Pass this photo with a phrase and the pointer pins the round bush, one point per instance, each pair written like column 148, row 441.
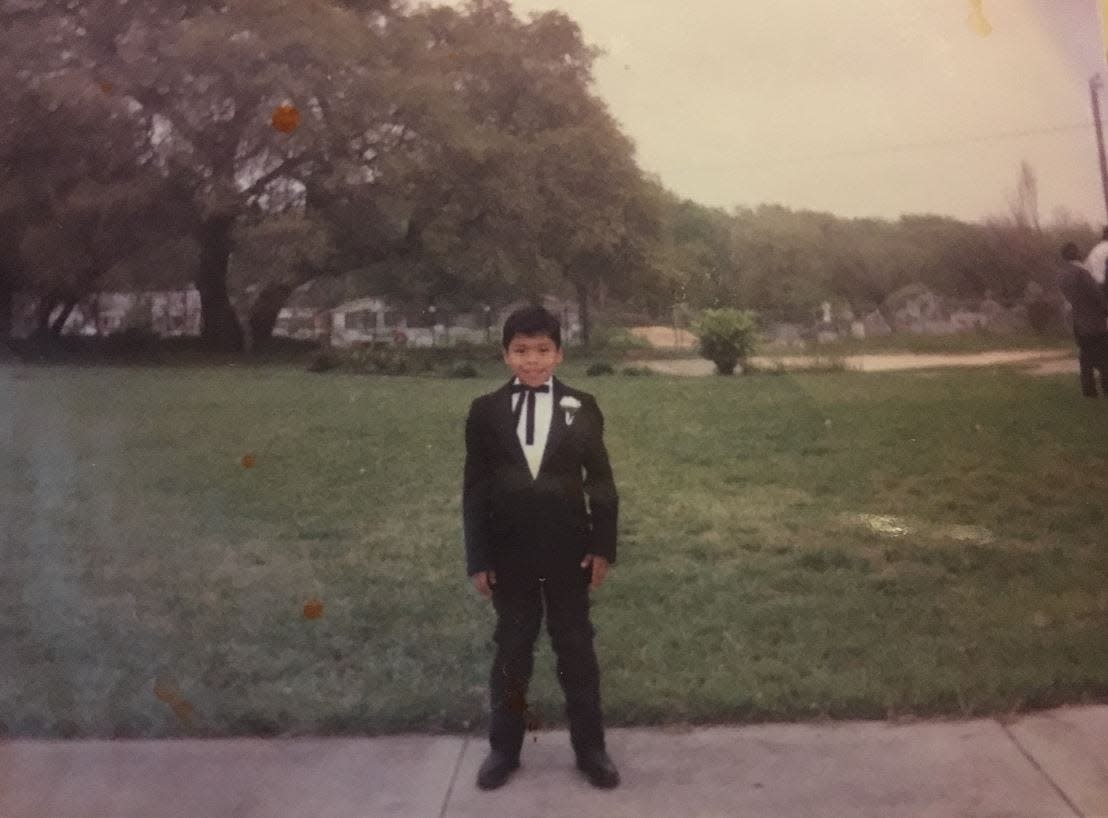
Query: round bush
column 377, row 359
column 727, row 336
column 462, row 370
column 600, row 368
column 323, row 362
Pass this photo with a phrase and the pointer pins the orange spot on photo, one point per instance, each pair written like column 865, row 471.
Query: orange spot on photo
column 313, row 609
column 248, row 460
column 182, row 710
column 285, row 118
column 165, row 691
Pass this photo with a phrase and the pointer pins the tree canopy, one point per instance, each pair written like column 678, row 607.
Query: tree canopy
column 439, row 140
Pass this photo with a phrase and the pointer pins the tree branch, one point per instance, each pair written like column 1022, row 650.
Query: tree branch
column 286, row 166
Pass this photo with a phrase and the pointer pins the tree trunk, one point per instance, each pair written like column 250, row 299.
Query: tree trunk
column 7, row 303
column 219, row 326
column 58, row 324
column 94, row 310
column 582, row 287
column 45, row 306
column 263, row 317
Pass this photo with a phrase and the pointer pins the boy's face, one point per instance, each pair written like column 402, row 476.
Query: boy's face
column 532, row 358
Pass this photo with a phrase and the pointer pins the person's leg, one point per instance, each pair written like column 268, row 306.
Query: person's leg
column 1086, row 359
column 571, row 635
column 518, row 603
column 1102, row 357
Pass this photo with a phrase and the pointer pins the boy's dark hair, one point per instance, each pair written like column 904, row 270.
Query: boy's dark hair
column 1070, row 252
column 533, row 320
column 1104, row 234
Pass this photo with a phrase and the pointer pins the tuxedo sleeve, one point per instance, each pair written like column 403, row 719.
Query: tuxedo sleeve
column 476, row 488
column 600, row 487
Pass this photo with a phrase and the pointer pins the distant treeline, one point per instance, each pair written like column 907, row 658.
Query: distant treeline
column 787, row 262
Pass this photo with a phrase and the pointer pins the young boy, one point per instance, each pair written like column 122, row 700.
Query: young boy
column 534, row 450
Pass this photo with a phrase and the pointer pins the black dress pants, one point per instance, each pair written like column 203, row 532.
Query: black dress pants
column 519, row 597
column 1092, row 354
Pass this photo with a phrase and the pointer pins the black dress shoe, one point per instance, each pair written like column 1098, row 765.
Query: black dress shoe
column 495, row 770
column 598, row 768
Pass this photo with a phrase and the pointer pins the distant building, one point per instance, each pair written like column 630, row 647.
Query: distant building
column 173, row 313
column 168, row 313
column 375, row 319
column 303, row 323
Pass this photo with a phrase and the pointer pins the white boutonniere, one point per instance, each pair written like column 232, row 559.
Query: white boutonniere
column 569, row 406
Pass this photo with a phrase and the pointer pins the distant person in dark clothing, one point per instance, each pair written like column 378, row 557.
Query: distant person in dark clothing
column 1090, row 319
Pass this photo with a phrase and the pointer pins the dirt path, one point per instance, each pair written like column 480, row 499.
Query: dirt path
column 1049, row 362
column 1061, row 366
column 665, row 337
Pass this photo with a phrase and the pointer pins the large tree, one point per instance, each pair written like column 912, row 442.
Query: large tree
column 599, row 216
column 73, row 201
column 74, row 196
column 242, row 102
column 460, row 153
column 204, row 81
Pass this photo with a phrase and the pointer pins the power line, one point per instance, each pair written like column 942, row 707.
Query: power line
column 904, row 147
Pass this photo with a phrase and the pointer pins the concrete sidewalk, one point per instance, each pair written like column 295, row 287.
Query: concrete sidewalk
column 1040, row 766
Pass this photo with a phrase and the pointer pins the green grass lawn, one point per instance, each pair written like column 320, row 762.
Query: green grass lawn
column 824, row 545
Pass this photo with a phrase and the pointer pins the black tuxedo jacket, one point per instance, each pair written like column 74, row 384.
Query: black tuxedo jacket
column 512, row 519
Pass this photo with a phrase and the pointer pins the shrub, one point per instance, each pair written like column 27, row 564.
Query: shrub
column 600, row 368
column 424, row 359
column 462, row 370
column 469, row 350
column 378, row 359
column 1044, row 316
column 727, row 337
column 323, row 362
column 135, row 337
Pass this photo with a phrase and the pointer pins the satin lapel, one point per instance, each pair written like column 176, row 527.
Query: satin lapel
column 506, row 425
column 558, row 428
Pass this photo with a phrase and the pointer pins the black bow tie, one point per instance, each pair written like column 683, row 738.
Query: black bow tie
column 530, row 397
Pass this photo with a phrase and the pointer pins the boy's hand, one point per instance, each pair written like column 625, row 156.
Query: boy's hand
column 599, row 569
column 483, row 582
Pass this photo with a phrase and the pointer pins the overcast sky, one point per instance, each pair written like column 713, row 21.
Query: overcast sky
column 858, row 107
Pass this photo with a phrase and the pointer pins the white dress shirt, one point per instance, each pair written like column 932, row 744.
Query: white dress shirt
column 1096, row 260
column 544, row 413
